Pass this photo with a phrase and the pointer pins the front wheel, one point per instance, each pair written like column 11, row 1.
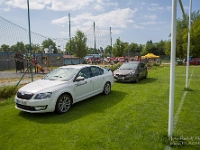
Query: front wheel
column 63, row 103
column 137, row 79
column 146, row 75
column 107, row 88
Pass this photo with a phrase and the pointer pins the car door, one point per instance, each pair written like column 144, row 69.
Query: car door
column 142, row 70
column 84, row 88
column 98, row 79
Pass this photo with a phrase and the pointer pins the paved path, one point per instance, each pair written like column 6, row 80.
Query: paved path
column 17, row 77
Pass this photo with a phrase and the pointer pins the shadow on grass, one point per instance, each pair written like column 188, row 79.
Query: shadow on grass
column 96, row 104
column 141, row 81
column 147, row 80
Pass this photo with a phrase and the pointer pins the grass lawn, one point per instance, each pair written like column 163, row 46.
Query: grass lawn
column 132, row 117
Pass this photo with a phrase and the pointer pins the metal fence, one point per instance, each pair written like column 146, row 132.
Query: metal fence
column 13, row 69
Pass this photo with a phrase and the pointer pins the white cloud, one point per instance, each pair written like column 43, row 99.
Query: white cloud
column 56, row 5
column 116, row 32
column 155, row 7
column 62, row 5
column 98, row 7
column 1, row 1
column 169, row 8
column 17, row 3
column 129, row 2
column 36, row 4
column 6, row 9
column 150, row 17
column 153, row 23
column 60, row 21
column 186, row 7
column 119, row 18
column 138, row 27
column 64, row 33
column 149, row 23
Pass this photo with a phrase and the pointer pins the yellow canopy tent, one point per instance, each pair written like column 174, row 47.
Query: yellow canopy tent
column 150, row 55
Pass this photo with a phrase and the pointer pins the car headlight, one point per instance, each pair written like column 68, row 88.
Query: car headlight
column 43, row 95
column 132, row 73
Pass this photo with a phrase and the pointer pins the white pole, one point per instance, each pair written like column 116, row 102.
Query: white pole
column 172, row 68
column 188, row 46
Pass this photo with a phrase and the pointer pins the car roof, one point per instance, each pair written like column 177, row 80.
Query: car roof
column 133, row 62
column 78, row 66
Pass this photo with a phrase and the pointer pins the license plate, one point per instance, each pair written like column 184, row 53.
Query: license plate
column 21, row 102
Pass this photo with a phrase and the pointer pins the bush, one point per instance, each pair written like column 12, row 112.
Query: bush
column 156, row 64
column 149, row 65
column 114, row 67
column 8, row 91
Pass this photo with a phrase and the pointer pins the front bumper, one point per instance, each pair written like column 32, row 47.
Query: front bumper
column 35, row 106
column 125, row 78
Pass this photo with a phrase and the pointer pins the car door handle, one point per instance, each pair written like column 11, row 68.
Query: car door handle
column 82, row 83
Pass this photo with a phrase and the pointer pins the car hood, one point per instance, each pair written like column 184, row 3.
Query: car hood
column 40, row 85
column 123, row 72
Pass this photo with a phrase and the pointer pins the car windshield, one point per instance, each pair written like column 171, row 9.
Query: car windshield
column 129, row 66
column 62, row 74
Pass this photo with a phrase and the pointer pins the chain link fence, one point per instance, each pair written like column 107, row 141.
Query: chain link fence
column 15, row 70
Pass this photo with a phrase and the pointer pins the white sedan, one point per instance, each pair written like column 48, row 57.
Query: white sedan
column 64, row 86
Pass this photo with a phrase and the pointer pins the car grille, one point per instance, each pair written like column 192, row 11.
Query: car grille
column 120, row 75
column 24, row 96
column 25, row 107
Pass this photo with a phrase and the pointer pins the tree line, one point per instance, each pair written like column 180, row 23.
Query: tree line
column 25, row 48
column 77, row 45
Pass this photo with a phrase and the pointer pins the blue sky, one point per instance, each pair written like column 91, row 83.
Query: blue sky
column 132, row 20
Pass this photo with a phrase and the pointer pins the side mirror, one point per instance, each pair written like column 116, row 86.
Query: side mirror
column 80, row 78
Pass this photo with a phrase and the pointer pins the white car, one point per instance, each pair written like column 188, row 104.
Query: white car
column 64, row 86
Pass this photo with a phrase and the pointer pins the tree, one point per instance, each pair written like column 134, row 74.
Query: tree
column 160, row 47
column 49, row 44
column 181, row 26
column 182, row 35
column 14, row 48
column 19, row 47
column 119, row 48
column 36, row 48
column 67, row 48
column 168, row 47
column 78, row 44
column 90, row 50
column 195, row 39
column 151, row 47
column 5, row 48
column 134, row 49
column 107, row 51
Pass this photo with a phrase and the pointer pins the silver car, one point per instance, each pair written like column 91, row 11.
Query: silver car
column 131, row 72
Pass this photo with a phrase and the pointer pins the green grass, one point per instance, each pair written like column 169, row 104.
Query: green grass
column 133, row 116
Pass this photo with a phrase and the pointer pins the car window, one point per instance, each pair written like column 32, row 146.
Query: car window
column 141, row 65
column 129, row 66
column 61, row 74
column 96, row 71
column 85, row 72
